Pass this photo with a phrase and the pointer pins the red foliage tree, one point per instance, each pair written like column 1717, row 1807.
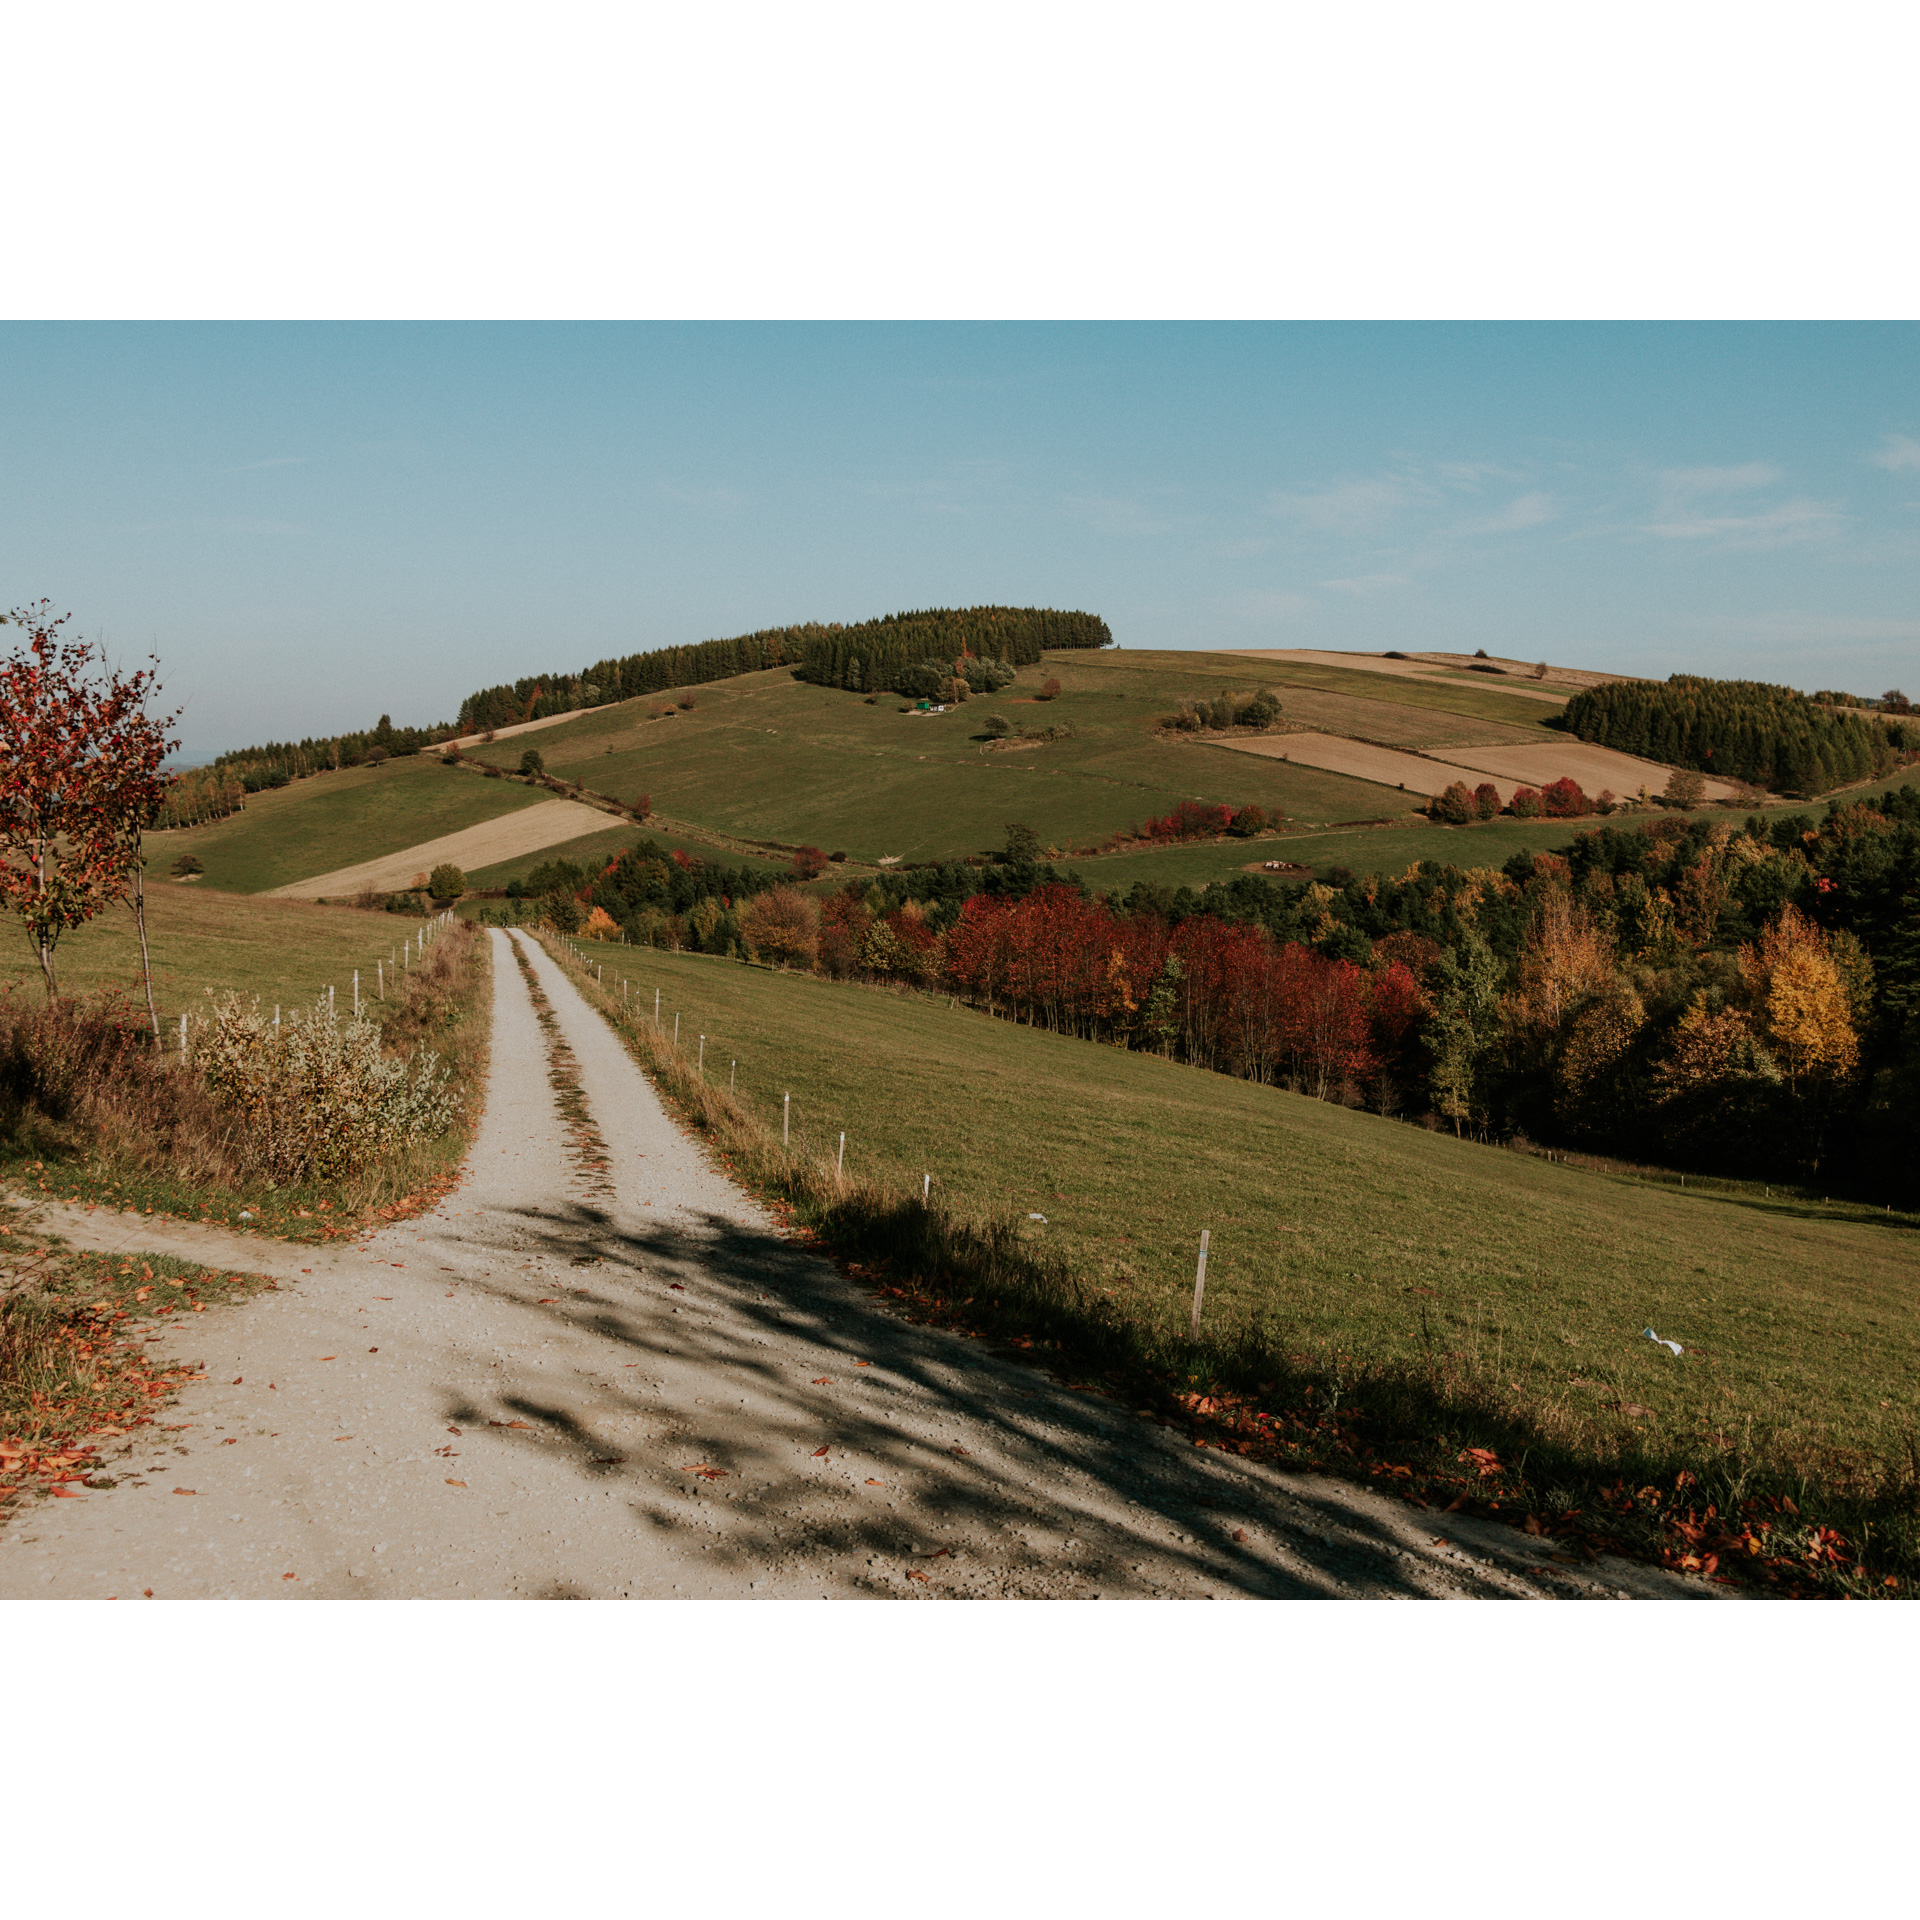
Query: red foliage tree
column 1563, row 799
column 809, row 863
column 80, row 780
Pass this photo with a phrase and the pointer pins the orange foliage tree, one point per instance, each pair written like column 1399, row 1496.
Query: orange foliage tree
column 1799, row 1000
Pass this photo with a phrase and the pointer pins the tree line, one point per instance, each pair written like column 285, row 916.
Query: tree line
column 1742, row 730
column 275, row 762
column 876, row 652
column 1735, row 999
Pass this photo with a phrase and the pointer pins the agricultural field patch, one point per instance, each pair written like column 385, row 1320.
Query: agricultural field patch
column 334, row 820
column 530, row 830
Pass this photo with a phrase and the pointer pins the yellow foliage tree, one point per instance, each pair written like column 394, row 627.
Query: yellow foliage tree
column 601, row 925
column 1599, row 1040
column 1711, row 1045
column 1799, row 1000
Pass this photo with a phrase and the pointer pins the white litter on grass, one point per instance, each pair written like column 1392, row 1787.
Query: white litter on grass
column 1658, row 1342
column 1041, row 1217
column 244, row 1214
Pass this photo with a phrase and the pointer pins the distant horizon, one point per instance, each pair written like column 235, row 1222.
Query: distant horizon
column 314, row 524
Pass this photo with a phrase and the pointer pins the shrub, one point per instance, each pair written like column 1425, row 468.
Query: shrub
column 376, row 756
column 685, row 702
column 447, row 881
column 1526, row 803
column 809, row 863
column 188, row 863
column 1563, row 799
column 642, row 807
column 1261, row 711
column 998, row 726
column 1486, row 799
column 1049, row 689
column 531, row 763
column 491, row 773
column 781, row 927
column 1540, row 672
column 1249, row 821
column 1455, row 806
column 1480, row 653
column 319, row 1097
column 1685, row 789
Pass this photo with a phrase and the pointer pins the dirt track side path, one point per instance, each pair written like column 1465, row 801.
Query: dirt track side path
column 546, row 1388
column 531, row 830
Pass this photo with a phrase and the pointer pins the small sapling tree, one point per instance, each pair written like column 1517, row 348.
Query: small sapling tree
column 447, row 882
column 531, row 764
column 79, row 782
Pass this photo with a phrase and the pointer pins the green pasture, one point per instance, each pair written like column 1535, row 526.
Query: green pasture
column 765, row 757
column 333, row 820
column 1343, row 1233
column 288, row 951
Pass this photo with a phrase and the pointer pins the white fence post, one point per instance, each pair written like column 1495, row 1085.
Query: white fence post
column 1200, row 1279
column 786, row 1112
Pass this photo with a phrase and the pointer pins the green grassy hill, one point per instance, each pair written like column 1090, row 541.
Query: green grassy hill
column 765, row 757
column 333, row 820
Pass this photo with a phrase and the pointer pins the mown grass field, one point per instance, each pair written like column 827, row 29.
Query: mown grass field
column 1343, row 1234
column 281, row 950
column 334, row 820
column 764, row 757
column 596, row 849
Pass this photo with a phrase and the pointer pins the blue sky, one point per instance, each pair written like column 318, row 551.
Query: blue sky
column 315, row 524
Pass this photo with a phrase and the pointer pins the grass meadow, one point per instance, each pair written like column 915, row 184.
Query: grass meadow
column 1344, row 1238
column 334, row 820
column 280, row 950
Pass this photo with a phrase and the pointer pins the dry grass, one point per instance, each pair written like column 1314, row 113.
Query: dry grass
column 87, row 1112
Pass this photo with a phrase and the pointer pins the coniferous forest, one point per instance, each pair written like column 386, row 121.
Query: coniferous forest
column 1742, row 730
column 867, row 656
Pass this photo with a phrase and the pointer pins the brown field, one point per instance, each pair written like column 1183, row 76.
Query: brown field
column 530, row 831
column 1597, row 769
column 530, row 726
column 1421, row 777
column 1443, row 667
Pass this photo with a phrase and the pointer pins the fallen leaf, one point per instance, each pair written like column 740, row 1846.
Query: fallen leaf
column 329, row 1356
column 706, row 1472
column 863, row 1363
column 1239, row 1533
column 876, row 1483
column 237, row 1383
column 186, row 1489
column 609, row 1459
column 289, row 1576
column 229, row 1443
column 939, row 1553
column 503, row 1423
column 456, row 1483
column 819, row 1453
column 343, row 1436
column 74, row 1493
column 383, row 1296
column 455, row 1431
column 546, row 1303
column 674, row 1286
column 823, row 1383
column 914, row 1573
column 1438, row 1541
column 146, row 1593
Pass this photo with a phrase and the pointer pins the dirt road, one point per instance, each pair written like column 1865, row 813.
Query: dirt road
column 617, row 1379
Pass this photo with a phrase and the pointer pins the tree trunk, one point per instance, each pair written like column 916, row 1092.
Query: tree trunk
column 146, row 959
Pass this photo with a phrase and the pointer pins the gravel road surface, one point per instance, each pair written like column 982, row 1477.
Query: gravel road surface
column 582, row 1381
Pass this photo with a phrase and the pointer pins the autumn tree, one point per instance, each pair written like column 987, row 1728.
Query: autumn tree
column 79, row 783
column 1800, row 1001
column 1464, row 1026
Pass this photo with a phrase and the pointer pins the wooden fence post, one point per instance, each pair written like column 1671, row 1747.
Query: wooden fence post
column 1200, row 1280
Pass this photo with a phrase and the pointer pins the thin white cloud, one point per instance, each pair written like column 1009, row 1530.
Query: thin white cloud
column 1528, row 510
column 1689, row 483
column 1900, row 454
column 1362, row 584
column 1784, row 525
column 1348, row 506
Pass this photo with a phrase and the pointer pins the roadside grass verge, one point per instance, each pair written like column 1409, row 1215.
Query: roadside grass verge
column 151, row 1140
column 73, row 1366
column 1382, row 1301
column 333, row 820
